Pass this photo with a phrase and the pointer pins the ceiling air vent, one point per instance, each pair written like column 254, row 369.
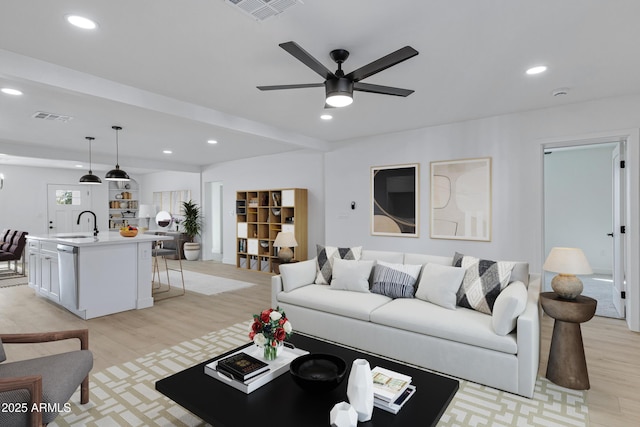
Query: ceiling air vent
column 262, row 9
column 51, row 117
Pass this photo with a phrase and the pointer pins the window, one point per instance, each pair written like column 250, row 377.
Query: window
column 68, row 197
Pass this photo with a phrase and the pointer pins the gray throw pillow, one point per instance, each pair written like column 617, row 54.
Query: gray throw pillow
column 395, row 280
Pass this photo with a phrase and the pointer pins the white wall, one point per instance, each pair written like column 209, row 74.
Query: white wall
column 578, row 197
column 515, row 144
column 299, row 169
column 23, row 200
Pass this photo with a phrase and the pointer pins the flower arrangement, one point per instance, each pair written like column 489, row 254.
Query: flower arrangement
column 269, row 329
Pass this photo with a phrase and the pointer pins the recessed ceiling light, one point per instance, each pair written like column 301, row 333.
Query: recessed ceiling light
column 326, row 117
column 167, row 151
column 537, row 69
column 81, row 22
column 10, row 91
column 212, row 141
column 78, row 166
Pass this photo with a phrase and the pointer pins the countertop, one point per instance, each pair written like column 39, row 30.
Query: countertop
column 103, row 238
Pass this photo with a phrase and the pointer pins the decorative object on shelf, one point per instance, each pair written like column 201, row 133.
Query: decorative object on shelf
column 129, row 231
column 567, row 262
column 192, row 226
column 90, row 178
column 117, row 174
column 343, row 415
column 146, row 212
column 394, row 201
column 461, row 199
column 269, row 329
column 318, row 372
column 360, row 389
column 285, row 241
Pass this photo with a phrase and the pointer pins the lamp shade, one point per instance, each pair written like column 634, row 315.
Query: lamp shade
column 567, row 261
column 117, row 174
column 147, row 211
column 285, row 239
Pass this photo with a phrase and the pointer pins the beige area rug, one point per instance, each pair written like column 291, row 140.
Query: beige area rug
column 13, row 281
column 203, row 283
column 125, row 395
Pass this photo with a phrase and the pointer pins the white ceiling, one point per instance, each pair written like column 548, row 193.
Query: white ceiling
column 176, row 73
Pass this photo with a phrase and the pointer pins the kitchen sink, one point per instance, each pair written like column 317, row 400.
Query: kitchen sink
column 79, row 236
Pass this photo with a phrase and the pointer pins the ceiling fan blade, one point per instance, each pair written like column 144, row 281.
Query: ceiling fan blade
column 305, row 57
column 384, row 90
column 382, row 64
column 300, row 86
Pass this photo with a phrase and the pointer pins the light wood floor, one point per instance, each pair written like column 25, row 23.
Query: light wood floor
column 613, row 352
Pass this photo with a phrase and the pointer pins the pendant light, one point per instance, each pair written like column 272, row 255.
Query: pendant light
column 90, row 178
column 117, row 174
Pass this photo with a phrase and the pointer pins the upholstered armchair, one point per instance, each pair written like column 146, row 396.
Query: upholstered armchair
column 46, row 382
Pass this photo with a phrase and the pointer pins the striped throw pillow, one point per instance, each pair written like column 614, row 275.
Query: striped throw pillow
column 395, row 280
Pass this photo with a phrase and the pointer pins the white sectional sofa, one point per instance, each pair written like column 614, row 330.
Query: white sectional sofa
column 460, row 342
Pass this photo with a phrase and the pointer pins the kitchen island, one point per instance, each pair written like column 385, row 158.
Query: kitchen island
column 93, row 276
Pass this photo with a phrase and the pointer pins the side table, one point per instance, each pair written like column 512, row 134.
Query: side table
column 567, row 365
column 275, row 265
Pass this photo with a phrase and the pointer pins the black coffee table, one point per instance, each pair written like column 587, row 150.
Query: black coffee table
column 281, row 402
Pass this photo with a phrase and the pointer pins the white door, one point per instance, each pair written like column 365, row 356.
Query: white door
column 617, row 235
column 65, row 202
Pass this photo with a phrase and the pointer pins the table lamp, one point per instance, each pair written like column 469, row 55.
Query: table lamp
column 146, row 211
column 285, row 241
column 567, row 262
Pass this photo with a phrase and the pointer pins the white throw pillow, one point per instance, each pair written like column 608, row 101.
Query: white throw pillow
column 439, row 284
column 508, row 306
column 297, row 274
column 349, row 275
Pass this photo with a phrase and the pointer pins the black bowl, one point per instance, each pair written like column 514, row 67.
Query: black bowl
column 318, row 372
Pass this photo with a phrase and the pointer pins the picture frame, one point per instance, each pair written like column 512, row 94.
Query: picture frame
column 461, row 199
column 395, row 204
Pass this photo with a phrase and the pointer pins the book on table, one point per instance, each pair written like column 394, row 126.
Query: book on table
column 242, row 366
column 395, row 406
column 388, row 385
column 275, row 367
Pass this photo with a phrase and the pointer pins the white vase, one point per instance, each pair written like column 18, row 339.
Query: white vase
column 360, row 389
column 191, row 251
column 343, row 415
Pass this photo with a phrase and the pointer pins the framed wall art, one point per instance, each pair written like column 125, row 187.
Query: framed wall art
column 461, row 199
column 394, row 200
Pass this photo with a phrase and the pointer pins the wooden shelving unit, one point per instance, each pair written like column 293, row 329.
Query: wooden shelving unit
column 260, row 216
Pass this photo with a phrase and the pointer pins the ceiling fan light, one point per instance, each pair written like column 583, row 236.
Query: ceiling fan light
column 339, row 100
column 339, row 92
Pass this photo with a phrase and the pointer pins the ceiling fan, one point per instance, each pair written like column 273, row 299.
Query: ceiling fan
column 338, row 86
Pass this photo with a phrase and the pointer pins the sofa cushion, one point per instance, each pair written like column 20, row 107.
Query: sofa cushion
column 351, row 275
column 509, row 305
column 439, row 284
column 357, row 305
column 520, row 270
column 326, row 255
column 395, row 280
column 482, row 283
column 386, row 256
column 297, row 274
column 461, row 325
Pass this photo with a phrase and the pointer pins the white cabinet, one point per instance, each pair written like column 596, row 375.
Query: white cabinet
column 43, row 269
column 123, row 204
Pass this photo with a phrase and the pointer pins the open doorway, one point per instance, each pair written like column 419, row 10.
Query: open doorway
column 583, row 209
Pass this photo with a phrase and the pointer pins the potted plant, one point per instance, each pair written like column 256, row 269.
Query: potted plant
column 192, row 226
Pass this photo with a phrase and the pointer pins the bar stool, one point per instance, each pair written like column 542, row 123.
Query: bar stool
column 160, row 251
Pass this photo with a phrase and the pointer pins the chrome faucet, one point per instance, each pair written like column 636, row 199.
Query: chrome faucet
column 95, row 222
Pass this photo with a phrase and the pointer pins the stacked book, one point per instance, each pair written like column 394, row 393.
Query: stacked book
column 391, row 389
column 246, row 370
